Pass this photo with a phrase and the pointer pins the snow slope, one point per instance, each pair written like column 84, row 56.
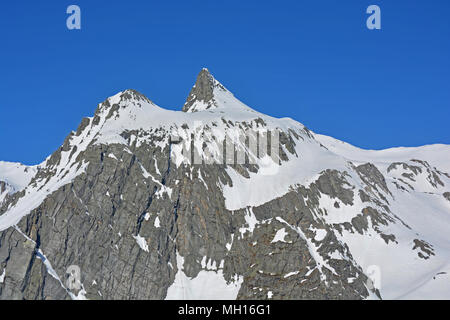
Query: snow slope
column 16, row 175
column 208, row 285
column 421, row 206
column 438, row 155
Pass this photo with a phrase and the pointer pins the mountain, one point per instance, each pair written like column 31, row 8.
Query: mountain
column 219, row 201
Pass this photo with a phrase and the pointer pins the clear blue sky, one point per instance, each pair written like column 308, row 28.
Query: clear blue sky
column 314, row 61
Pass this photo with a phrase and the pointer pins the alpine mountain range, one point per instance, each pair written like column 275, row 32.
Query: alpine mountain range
column 302, row 216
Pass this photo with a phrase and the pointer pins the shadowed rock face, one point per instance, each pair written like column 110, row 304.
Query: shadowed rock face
column 447, row 195
column 94, row 221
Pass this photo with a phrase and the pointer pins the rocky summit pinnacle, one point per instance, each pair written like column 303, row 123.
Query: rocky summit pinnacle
column 201, row 96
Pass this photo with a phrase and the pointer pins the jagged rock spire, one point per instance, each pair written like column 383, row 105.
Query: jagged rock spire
column 201, row 96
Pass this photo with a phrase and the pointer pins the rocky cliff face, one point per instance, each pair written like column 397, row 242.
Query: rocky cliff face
column 154, row 204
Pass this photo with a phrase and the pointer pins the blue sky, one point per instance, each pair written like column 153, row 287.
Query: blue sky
column 314, row 61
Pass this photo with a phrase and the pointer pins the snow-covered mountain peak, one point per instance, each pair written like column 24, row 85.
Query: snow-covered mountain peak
column 209, row 105
column 249, row 205
column 208, row 93
column 201, row 96
column 122, row 100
